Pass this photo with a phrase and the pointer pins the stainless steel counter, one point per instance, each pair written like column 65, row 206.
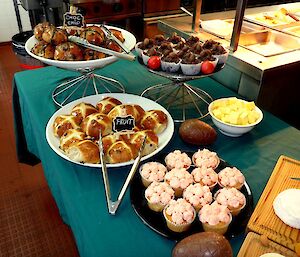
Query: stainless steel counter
column 272, row 81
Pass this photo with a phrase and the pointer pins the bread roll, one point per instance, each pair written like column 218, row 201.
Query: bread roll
column 108, row 140
column 73, row 31
column 85, row 151
column 94, row 35
column 118, row 35
column 113, row 46
column 70, row 137
column 120, row 151
column 107, row 104
column 68, row 51
column 151, row 143
column 64, row 122
column 44, row 50
column 95, row 122
column 39, row 30
column 89, row 54
column 155, row 120
column 83, row 110
column 55, row 36
column 127, row 109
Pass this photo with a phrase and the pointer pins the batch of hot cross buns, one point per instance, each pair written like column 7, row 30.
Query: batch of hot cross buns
column 79, row 131
column 53, row 42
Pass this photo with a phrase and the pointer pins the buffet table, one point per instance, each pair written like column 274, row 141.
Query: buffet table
column 79, row 191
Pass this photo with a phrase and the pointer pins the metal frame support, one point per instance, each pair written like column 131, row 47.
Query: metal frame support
column 196, row 15
column 238, row 22
column 16, row 5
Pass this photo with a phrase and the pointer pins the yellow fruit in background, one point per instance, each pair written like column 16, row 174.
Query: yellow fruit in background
column 250, row 106
column 235, row 111
column 218, row 114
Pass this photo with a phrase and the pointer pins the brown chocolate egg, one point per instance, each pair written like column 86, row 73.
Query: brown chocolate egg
column 208, row 244
column 197, row 132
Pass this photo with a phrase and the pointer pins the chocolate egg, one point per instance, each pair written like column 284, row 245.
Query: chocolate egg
column 208, row 244
column 197, row 132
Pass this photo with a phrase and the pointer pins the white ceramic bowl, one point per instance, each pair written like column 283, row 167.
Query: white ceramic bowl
column 230, row 129
column 130, row 42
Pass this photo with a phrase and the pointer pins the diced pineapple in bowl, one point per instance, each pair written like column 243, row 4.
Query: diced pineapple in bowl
column 234, row 117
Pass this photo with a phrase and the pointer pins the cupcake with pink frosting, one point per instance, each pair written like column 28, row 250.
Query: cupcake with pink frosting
column 177, row 159
column 205, row 176
column 152, row 171
column 215, row 218
column 179, row 215
column 231, row 177
column 179, row 179
column 206, row 158
column 158, row 195
column 197, row 195
column 232, row 198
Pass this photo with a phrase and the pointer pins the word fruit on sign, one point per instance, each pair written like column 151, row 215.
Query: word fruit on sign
column 126, row 123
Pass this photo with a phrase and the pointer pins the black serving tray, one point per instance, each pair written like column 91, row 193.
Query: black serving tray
column 156, row 221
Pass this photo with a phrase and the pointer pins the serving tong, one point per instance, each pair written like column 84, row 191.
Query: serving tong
column 113, row 205
column 83, row 42
column 111, row 36
column 298, row 179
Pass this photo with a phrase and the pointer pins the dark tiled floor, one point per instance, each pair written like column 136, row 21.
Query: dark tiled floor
column 30, row 224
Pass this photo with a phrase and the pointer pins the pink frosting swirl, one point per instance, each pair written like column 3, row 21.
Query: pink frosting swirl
column 181, row 211
column 177, row 159
column 153, row 171
column 197, row 194
column 231, row 177
column 214, row 213
column 179, row 178
column 159, row 192
column 230, row 197
column 206, row 158
column 205, row 176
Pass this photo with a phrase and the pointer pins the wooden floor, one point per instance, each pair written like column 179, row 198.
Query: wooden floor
column 30, row 224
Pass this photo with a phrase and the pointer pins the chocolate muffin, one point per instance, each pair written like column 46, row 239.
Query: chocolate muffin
column 147, row 44
column 192, row 40
column 175, row 39
column 171, row 57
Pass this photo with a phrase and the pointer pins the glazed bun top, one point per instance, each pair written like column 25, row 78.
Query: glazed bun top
column 94, row 35
column 68, row 51
column 39, row 30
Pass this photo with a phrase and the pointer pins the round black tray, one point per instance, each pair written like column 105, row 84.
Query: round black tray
column 156, row 221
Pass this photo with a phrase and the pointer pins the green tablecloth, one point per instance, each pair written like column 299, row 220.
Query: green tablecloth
column 79, row 191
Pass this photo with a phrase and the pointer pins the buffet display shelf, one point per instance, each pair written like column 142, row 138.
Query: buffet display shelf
column 250, row 74
column 243, row 57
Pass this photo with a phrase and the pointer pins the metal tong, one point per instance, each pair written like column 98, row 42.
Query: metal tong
column 113, row 205
column 83, row 42
column 298, row 179
column 111, row 36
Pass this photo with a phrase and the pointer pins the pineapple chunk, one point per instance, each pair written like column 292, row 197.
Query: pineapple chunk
column 233, row 118
column 250, row 106
column 235, row 111
column 218, row 114
column 243, row 118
